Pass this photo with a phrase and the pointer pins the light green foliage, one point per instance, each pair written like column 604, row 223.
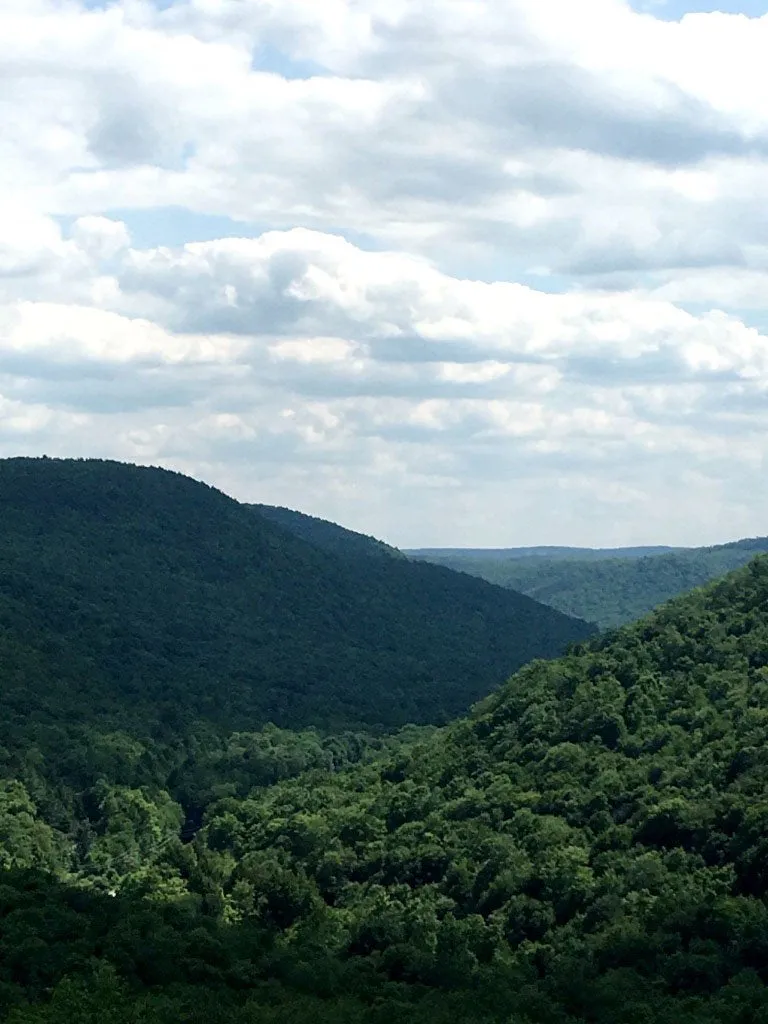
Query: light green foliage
column 25, row 840
column 133, row 828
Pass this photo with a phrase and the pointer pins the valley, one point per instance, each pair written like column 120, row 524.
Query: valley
column 609, row 587
column 255, row 767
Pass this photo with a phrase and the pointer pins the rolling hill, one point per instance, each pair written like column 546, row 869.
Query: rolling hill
column 142, row 599
column 597, row 586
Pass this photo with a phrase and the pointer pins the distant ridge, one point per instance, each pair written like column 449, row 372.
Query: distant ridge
column 545, row 551
column 599, row 585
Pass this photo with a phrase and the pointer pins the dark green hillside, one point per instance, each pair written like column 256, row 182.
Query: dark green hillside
column 328, row 536
column 589, row 847
column 144, row 600
column 609, row 591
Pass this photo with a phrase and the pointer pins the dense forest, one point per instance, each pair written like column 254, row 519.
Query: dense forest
column 605, row 587
column 143, row 599
column 328, row 536
column 587, row 846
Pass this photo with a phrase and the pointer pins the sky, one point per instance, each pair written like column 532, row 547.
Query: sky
column 449, row 272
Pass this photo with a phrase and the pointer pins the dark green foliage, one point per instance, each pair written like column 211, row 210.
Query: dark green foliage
column 139, row 598
column 591, row 842
column 592, row 585
column 589, row 847
column 328, row 536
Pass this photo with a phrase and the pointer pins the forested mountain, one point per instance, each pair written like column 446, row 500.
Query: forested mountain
column 605, row 590
column 143, row 599
column 328, row 536
column 588, row 847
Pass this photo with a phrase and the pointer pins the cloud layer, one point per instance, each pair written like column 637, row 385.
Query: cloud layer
column 494, row 277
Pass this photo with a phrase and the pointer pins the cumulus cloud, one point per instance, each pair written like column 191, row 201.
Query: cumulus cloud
column 500, row 279
column 378, row 371
column 437, row 125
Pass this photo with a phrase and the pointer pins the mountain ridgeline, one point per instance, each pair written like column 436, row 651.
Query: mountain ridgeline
column 328, row 536
column 609, row 588
column 547, row 551
column 590, row 845
column 140, row 598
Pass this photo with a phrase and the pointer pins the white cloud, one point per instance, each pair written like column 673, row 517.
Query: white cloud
column 377, row 352
column 100, row 237
column 297, row 353
column 305, row 281
column 74, row 333
column 443, row 124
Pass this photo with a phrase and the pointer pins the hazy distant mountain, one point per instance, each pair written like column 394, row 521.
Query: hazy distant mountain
column 452, row 555
column 597, row 585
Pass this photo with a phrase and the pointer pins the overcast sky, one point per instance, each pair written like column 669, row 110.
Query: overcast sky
column 450, row 272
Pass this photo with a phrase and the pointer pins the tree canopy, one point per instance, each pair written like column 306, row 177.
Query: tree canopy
column 140, row 597
column 587, row 846
column 326, row 535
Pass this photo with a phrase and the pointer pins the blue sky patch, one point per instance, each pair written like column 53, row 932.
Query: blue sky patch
column 674, row 10
column 174, row 225
column 268, row 58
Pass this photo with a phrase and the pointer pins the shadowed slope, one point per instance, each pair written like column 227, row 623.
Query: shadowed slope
column 151, row 599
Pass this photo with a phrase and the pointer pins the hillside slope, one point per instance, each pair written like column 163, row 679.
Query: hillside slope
column 142, row 598
column 326, row 535
column 588, row 847
column 606, row 591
